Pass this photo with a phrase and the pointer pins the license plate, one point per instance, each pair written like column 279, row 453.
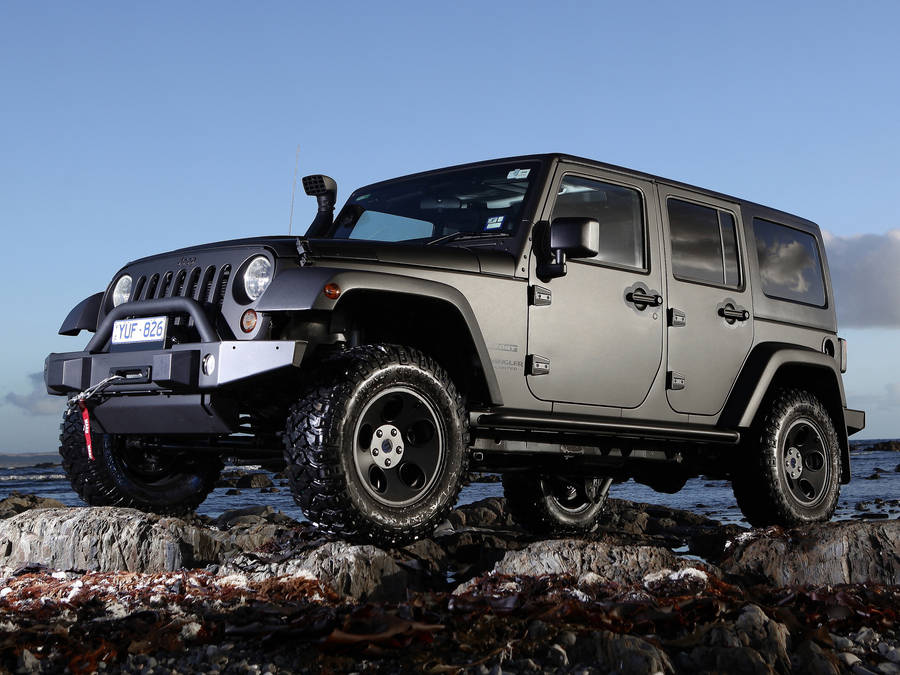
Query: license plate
column 136, row 331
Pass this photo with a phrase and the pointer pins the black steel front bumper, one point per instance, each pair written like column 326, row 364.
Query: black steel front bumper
column 173, row 390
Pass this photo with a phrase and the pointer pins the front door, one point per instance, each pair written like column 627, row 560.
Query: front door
column 594, row 335
column 710, row 321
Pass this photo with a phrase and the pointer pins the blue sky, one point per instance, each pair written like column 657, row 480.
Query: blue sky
column 129, row 129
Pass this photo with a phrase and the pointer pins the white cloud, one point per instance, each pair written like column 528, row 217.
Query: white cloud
column 865, row 273
column 37, row 401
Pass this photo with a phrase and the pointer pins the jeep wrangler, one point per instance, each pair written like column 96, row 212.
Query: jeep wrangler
column 565, row 322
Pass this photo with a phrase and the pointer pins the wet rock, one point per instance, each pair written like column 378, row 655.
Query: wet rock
column 105, row 539
column 17, row 503
column 809, row 659
column 666, row 583
column 753, row 643
column 254, row 480
column 829, row 553
column 360, row 572
column 610, row 562
column 625, row 654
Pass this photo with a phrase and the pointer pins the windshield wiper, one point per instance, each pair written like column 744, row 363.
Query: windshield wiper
column 456, row 236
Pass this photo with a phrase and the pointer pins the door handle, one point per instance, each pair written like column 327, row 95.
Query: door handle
column 641, row 298
column 733, row 314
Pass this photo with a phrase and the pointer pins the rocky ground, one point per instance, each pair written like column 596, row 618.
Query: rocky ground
column 656, row 590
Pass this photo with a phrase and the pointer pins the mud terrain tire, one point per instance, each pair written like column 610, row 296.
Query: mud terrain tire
column 118, row 476
column 535, row 503
column 343, row 435
column 792, row 476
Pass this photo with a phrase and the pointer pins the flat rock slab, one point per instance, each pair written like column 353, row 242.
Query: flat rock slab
column 598, row 560
column 360, row 572
column 104, row 539
column 831, row 553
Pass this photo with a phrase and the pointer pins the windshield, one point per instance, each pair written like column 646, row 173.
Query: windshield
column 479, row 201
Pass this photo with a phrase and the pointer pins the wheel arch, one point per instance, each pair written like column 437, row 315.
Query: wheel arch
column 361, row 290
column 436, row 323
column 774, row 365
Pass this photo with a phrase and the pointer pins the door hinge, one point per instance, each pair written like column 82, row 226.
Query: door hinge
column 537, row 365
column 540, row 296
column 677, row 318
column 676, row 381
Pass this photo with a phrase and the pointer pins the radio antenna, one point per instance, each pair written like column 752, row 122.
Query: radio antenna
column 294, row 190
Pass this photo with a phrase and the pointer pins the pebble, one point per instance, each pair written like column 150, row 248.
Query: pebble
column 557, row 656
column 537, row 630
column 848, row 659
column 860, row 669
column 841, row 643
column 567, row 638
column 865, row 636
column 888, row 668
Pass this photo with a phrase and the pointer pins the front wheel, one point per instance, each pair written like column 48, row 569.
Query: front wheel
column 793, row 476
column 551, row 504
column 376, row 445
column 122, row 473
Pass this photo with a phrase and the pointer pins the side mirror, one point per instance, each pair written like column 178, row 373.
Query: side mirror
column 570, row 238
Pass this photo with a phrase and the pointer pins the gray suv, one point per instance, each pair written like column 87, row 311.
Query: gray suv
column 565, row 322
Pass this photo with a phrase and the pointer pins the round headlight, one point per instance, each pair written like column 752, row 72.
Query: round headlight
column 257, row 277
column 122, row 290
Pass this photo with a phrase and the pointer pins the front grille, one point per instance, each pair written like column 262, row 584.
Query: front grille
column 205, row 285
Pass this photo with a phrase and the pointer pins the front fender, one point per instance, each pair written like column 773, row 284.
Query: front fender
column 83, row 316
column 301, row 289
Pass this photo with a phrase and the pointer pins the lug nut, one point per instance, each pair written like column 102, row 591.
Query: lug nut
column 399, row 450
column 374, row 452
column 393, row 432
column 387, row 462
column 379, row 433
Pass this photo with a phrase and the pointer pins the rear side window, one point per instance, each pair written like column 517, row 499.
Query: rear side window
column 789, row 263
column 704, row 244
column 618, row 209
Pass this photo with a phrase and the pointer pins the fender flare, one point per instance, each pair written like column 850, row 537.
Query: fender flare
column 761, row 369
column 301, row 289
column 83, row 316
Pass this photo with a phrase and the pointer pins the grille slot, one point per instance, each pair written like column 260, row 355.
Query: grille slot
column 221, row 285
column 164, row 285
column 206, row 285
column 138, row 287
column 151, row 287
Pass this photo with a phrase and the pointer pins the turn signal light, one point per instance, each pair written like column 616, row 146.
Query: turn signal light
column 248, row 321
column 332, row 291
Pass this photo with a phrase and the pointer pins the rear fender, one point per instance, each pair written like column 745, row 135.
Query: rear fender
column 773, row 365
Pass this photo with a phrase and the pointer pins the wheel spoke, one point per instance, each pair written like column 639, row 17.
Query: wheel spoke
column 399, row 446
column 807, row 472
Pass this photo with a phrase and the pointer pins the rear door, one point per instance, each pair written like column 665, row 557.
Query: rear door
column 590, row 340
column 710, row 320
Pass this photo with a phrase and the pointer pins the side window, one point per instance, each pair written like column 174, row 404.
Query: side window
column 789, row 263
column 704, row 244
column 618, row 209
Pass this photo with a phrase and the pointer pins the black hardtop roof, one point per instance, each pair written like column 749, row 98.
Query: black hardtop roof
column 575, row 159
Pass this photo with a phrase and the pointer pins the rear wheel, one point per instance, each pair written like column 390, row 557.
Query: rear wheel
column 550, row 504
column 124, row 474
column 793, row 476
column 377, row 444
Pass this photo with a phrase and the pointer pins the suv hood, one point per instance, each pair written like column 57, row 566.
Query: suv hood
column 472, row 259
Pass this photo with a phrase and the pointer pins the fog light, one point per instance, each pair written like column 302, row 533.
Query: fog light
column 332, row 291
column 248, row 321
column 209, row 364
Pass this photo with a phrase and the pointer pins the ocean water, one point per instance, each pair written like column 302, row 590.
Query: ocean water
column 712, row 498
